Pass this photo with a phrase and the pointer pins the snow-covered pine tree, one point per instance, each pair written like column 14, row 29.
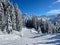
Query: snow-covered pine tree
column 13, row 17
column 19, row 19
column 10, row 17
column 9, row 21
column 34, row 21
column 57, row 27
column 41, row 24
column 1, row 16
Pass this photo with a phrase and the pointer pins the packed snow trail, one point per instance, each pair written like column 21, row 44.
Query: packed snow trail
column 30, row 37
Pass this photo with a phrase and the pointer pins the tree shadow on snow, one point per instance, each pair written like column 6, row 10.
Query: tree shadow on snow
column 55, row 37
column 37, row 36
column 57, row 42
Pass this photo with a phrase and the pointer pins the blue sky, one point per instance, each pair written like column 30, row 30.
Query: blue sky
column 39, row 7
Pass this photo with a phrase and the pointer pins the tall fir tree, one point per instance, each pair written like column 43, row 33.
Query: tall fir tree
column 19, row 20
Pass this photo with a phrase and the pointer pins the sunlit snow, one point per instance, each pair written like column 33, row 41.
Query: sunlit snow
column 29, row 38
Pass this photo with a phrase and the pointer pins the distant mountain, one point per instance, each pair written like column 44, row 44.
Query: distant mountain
column 44, row 17
column 55, row 19
column 58, row 18
column 51, row 18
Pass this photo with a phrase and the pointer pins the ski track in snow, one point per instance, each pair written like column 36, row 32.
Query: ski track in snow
column 30, row 38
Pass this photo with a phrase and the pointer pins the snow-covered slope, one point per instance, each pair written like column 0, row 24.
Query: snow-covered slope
column 30, row 37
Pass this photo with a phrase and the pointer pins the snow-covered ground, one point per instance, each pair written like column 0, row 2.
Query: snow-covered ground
column 29, row 37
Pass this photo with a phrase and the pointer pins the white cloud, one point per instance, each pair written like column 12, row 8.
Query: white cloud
column 53, row 12
column 58, row 1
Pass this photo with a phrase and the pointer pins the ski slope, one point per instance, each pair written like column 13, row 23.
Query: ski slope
column 29, row 37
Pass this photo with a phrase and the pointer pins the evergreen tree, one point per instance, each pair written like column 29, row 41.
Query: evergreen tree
column 9, row 21
column 1, row 16
column 19, row 20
